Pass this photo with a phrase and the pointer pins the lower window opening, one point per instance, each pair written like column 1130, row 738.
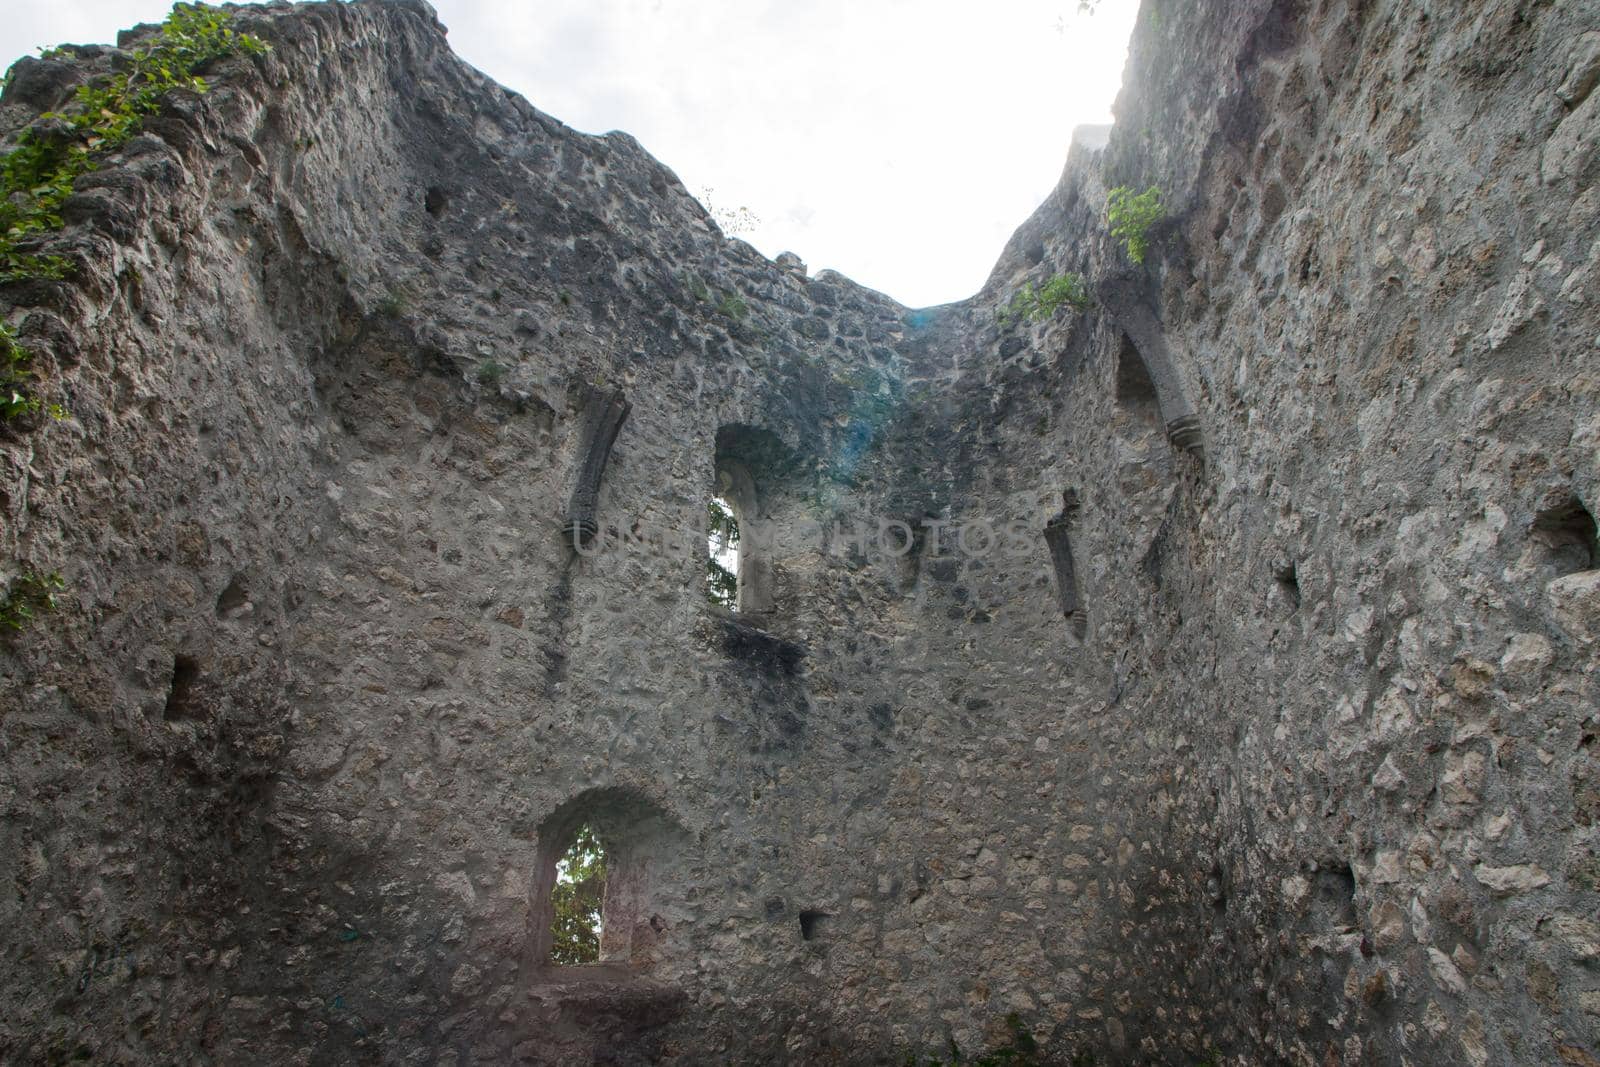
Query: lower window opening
column 607, row 887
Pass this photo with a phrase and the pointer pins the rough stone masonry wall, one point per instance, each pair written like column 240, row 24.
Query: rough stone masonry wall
column 1348, row 662
column 1307, row 775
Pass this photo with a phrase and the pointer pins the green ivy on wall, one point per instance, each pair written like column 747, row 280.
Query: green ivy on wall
column 37, row 176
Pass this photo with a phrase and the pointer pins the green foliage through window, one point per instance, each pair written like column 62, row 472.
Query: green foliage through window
column 1036, row 305
column 1131, row 215
column 30, row 595
column 722, row 558
column 578, row 896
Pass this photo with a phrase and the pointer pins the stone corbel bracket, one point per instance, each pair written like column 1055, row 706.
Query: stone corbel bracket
column 1124, row 298
column 604, row 412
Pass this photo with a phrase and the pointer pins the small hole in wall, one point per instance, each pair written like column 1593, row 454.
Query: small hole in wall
column 812, row 924
column 1335, row 891
column 435, row 200
column 1288, row 584
column 181, row 700
column 1568, row 532
column 234, row 597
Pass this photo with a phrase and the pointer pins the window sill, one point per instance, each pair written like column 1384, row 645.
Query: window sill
column 743, row 638
column 607, row 986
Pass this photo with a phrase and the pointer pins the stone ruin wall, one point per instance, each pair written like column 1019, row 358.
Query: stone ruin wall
column 1274, row 736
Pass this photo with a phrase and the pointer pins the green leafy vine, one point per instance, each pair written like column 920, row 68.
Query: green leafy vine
column 16, row 396
column 37, row 176
column 1131, row 215
column 1035, row 305
column 29, row 596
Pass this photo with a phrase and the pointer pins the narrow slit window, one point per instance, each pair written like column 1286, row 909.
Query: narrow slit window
column 579, row 901
column 741, row 498
column 722, row 554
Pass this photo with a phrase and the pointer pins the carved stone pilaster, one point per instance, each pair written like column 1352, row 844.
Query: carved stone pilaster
column 1127, row 300
column 1184, row 433
column 604, row 412
column 1058, row 538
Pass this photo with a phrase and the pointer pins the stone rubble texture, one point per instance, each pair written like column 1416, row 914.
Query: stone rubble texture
column 1311, row 776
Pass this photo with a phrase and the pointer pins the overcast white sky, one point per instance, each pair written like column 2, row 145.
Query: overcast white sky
column 896, row 141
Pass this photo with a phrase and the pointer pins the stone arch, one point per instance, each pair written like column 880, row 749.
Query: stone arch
column 1141, row 328
column 643, row 845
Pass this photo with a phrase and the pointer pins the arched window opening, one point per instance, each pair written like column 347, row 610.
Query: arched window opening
column 1145, row 461
column 755, row 479
column 751, row 568
column 608, row 882
column 722, row 553
column 578, row 901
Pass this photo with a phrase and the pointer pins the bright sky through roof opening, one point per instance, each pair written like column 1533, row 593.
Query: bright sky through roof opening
column 898, row 142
